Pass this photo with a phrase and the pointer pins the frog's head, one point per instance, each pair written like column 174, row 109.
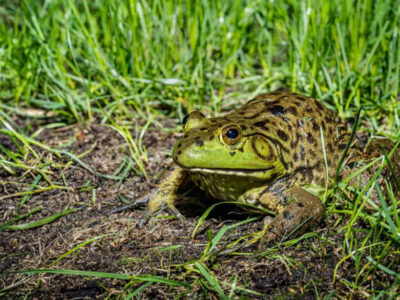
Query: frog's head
column 224, row 146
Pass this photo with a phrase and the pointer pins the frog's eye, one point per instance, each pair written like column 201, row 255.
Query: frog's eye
column 231, row 135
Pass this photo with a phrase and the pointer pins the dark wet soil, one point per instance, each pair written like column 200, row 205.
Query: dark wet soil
column 299, row 271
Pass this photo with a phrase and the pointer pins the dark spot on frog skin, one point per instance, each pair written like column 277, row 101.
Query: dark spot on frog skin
column 295, row 157
column 315, row 126
column 319, row 105
column 179, row 152
column 260, row 124
column 277, row 110
column 232, row 153
column 330, row 147
column 303, row 173
column 300, row 97
column 310, row 175
column 299, row 204
column 302, row 152
column 269, row 103
column 319, row 168
column 342, row 136
column 169, row 168
column 244, row 127
column 292, row 110
column 336, row 157
column 287, row 215
column 342, row 146
column 310, row 138
column 203, row 128
column 179, row 145
column 211, row 138
column 309, row 109
column 241, row 149
column 199, row 143
column 299, row 137
column 282, row 135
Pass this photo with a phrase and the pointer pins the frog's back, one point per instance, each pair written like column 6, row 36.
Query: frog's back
column 300, row 127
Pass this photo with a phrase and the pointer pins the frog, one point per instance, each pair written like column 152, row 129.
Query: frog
column 263, row 155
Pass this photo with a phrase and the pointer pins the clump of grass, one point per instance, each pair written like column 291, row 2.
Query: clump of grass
column 69, row 57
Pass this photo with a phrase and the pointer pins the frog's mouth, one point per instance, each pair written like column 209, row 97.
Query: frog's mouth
column 227, row 171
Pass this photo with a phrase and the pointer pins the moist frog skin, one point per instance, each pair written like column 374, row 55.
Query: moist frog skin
column 264, row 154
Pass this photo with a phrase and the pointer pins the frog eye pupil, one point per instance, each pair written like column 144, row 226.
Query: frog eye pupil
column 184, row 121
column 232, row 134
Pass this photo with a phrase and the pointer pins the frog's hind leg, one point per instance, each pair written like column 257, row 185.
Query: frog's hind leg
column 302, row 212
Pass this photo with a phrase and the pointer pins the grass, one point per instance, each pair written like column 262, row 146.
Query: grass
column 130, row 64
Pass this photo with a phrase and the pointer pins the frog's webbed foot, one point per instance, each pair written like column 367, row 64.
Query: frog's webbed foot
column 164, row 206
column 303, row 212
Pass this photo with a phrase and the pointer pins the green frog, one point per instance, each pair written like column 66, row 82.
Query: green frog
column 264, row 154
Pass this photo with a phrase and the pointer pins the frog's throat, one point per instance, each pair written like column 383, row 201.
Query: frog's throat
column 228, row 171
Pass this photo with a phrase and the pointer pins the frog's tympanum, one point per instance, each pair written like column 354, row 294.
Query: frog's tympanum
column 265, row 154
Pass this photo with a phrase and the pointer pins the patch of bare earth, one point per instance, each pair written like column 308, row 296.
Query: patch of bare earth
column 121, row 247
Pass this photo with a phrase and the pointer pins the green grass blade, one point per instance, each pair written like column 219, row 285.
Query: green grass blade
column 40, row 222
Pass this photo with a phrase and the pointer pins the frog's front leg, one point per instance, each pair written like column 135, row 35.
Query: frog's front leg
column 297, row 211
column 165, row 194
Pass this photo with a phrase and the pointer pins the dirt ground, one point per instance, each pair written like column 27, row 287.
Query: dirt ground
column 291, row 272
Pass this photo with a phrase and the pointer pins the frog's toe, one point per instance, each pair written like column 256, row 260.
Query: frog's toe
column 175, row 212
column 142, row 201
column 143, row 220
column 151, row 211
column 267, row 240
column 169, row 207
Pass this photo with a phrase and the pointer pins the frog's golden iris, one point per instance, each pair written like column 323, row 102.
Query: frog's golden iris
column 231, row 134
column 264, row 154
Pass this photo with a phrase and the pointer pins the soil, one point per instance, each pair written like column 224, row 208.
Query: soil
column 298, row 271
